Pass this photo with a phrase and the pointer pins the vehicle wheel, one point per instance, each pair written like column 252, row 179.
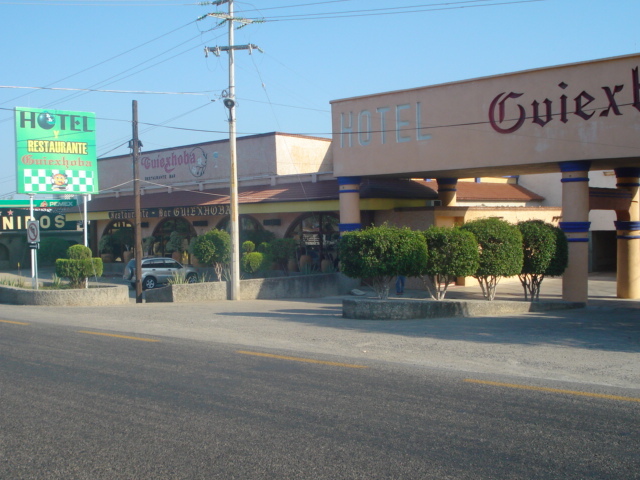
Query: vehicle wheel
column 149, row 283
column 192, row 278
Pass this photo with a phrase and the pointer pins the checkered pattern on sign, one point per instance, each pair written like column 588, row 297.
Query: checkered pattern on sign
column 37, row 180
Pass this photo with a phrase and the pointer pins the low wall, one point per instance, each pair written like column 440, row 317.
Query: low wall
column 188, row 293
column 374, row 309
column 298, row 286
column 94, row 296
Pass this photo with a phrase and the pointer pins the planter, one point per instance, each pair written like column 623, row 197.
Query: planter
column 326, row 266
column 107, row 257
column 177, row 256
column 304, row 261
column 292, row 266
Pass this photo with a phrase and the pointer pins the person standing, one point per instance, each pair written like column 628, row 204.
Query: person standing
column 400, row 284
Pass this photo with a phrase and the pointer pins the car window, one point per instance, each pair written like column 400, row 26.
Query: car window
column 153, row 264
column 172, row 264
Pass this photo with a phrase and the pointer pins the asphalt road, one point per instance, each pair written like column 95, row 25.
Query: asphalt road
column 80, row 400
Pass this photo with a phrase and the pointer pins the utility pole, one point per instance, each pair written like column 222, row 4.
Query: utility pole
column 135, row 155
column 230, row 104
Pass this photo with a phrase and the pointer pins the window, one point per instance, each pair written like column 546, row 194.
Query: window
column 250, row 229
column 317, row 235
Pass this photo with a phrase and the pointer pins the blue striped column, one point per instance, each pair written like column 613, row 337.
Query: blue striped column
column 349, row 194
column 575, row 223
column 447, row 191
column 628, row 235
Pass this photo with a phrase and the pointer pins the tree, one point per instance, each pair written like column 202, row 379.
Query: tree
column 500, row 249
column 378, row 254
column 546, row 253
column 79, row 266
column 451, row 252
column 213, row 248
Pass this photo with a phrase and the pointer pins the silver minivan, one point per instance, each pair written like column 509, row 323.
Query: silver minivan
column 158, row 270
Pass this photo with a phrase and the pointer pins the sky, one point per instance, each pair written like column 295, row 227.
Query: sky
column 100, row 55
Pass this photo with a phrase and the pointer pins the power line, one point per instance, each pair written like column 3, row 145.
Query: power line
column 105, row 61
column 143, row 92
column 387, row 11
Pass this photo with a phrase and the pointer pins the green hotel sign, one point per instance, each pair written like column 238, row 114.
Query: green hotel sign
column 56, row 151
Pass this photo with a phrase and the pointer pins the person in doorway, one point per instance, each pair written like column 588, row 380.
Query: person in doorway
column 400, row 284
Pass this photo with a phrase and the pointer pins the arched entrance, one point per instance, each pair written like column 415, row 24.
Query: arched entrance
column 317, row 236
column 118, row 240
column 170, row 235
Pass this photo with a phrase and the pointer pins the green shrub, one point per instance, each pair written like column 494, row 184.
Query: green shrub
column 378, row 254
column 176, row 243
column 78, row 270
column 252, row 262
column 257, row 236
column 213, row 248
column 51, row 249
column 78, row 252
column 248, row 246
column 451, row 252
column 280, row 251
column 546, row 253
column 500, row 248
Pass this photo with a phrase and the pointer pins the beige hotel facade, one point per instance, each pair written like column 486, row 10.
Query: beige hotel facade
column 438, row 155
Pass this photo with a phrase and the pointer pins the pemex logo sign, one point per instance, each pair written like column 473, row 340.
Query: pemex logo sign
column 56, row 152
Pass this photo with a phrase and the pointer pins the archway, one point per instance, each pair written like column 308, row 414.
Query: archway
column 117, row 239
column 162, row 243
column 317, row 235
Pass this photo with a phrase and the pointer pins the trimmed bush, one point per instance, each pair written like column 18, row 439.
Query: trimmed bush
column 378, row 254
column 78, row 252
column 248, row 246
column 213, row 248
column 79, row 266
column 500, row 248
column 546, row 253
column 451, row 252
column 252, row 262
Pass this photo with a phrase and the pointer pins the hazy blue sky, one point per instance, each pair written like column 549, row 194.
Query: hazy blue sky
column 314, row 52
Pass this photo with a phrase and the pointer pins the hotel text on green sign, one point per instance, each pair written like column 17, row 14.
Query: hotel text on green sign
column 56, row 151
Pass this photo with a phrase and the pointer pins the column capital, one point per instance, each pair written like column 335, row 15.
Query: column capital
column 627, row 172
column 627, row 226
column 349, row 227
column 575, row 166
column 349, row 180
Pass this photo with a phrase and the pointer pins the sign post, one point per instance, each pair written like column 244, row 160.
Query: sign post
column 33, row 238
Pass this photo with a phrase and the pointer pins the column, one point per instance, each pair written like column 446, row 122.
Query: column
column 447, row 191
column 628, row 235
column 349, row 194
column 575, row 224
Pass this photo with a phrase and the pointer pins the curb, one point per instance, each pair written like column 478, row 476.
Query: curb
column 375, row 309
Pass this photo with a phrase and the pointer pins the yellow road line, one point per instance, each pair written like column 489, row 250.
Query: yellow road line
column 118, row 336
column 553, row 390
column 14, row 323
column 298, row 359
